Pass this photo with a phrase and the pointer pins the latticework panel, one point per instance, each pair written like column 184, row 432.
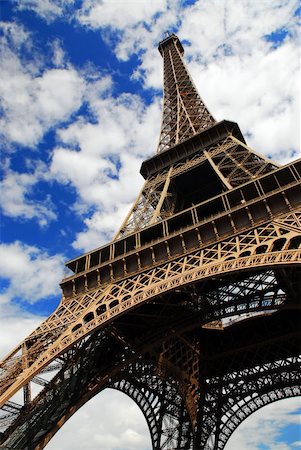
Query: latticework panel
column 233, row 162
column 191, row 310
column 263, row 366
column 184, row 112
column 266, row 246
column 163, row 408
column 238, row 372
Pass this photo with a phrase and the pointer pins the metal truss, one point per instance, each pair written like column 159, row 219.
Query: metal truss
column 81, row 378
column 255, row 248
column 184, row 112
column 252, row 404
column 246, row 381
column 233, row 162
column 239, row 376
column 163, row 408
column 191, row 310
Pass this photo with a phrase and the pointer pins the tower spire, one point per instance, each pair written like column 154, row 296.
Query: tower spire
column 184, row 112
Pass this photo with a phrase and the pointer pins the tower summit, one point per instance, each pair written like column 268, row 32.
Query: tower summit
column 221, row 158
column 184, row 112
column 192, row 310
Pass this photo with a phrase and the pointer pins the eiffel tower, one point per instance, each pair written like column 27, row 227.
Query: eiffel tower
column 192, row 310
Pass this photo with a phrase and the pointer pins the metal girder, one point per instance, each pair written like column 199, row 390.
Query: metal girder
column 233, row 161
column 184, row 112
column 192, row 308
column 256, row 248
column 163, row 408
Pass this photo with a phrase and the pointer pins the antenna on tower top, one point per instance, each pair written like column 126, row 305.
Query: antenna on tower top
column 166, row 34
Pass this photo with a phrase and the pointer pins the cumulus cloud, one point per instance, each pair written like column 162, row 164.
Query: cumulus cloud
column 101, row 159
column 132, row 27
column 119, row 14
column 99, row 430
column 265, row 428
column 235, row 28
column 18, row 197
column 14, row 328
column 29, row 273
column 48, row 10
column 32, row 105
column 59, row 58
column 33, row 98
column 116, row 424
column 100, row 227
column 15, row 35
column 245, row 76
column 265, row 106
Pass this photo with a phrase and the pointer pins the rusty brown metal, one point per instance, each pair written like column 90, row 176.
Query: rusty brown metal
column 211, row 247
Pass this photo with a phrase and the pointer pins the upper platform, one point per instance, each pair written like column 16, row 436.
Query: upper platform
column 188, row 147
column 172, row 39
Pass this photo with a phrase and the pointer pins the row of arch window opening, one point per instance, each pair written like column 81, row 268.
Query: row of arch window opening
column 277, row 245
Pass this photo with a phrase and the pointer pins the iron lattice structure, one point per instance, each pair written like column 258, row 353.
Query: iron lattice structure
column 192, row 310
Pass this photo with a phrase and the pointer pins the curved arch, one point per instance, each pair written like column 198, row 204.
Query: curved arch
column 294, row 242
column 250, row 371
column 166, row 416
column 146, row 404
column 110, row 418
column 143, row 376
column 252, row 405
column 174, row 277
column 144, row 371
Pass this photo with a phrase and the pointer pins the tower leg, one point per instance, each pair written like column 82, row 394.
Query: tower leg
column 163, row 408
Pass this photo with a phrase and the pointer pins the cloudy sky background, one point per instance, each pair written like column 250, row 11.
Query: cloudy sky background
column 81, row 90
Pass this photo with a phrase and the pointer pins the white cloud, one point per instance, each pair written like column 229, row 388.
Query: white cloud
column 265, row 106
column 15, row 35
column 33, row 98
column 17, row 195
column 32, row 105
column 31, row 273
column 119, row 14
column 14, row 328
column 241, row 76
column 110, row 421
column 59, row 56
column 100, row 227
column 265, row 427
column 47, row 9
column 104, row 168
column 238, row 27
column 135, row 31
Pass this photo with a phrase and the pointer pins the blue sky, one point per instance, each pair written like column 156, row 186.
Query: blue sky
column 80, row 89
